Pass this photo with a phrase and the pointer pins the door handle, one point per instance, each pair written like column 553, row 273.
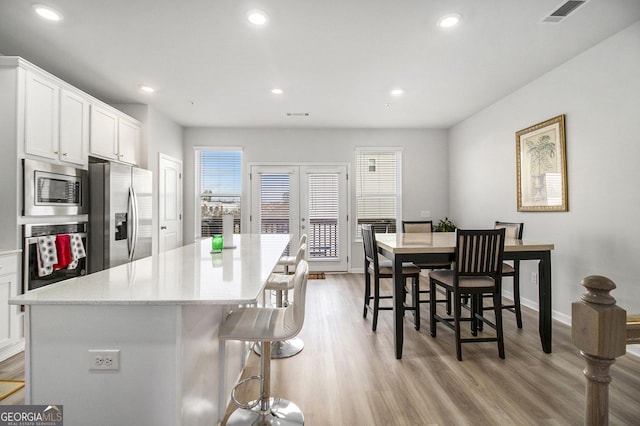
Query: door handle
column 163, row 227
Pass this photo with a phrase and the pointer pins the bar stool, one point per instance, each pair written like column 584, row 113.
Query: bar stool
column 282, row 283
column 287, row 261
column 265, row 325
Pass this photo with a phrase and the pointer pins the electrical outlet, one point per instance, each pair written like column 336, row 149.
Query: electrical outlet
column 534, row 278
column 425, row 213
column 104, row 359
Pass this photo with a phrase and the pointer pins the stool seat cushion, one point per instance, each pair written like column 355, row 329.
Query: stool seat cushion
column 287, row 260
column 507, row 269
column 407, row 269
column 257, row 325
column 279, row 282
column 446, row 277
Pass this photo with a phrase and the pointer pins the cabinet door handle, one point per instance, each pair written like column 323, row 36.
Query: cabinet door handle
column 64, row 154
column 163, row 227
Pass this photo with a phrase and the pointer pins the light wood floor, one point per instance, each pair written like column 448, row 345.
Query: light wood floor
column 348, row 375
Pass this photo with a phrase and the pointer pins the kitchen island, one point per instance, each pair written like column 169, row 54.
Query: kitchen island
column 160, row 315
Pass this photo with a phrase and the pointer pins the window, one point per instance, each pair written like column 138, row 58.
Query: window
column 378, row 188
column 220, row 187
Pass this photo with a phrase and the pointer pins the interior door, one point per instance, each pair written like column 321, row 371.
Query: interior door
column 306, row 199
column 170, row 203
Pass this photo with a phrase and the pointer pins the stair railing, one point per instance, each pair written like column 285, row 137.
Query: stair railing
column 601, row 330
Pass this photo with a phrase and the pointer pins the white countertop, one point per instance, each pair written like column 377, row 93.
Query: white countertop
column 186, row 275
column 10, row 251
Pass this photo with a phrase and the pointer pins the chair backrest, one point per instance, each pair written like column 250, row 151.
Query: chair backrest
column 422, row 226
column 512, row 229
column 370, row 246
column 480, row 253
column 302, row 253
column 303, row 239
column 294, row 314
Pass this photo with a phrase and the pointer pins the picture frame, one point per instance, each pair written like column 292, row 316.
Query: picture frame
column 541, row 167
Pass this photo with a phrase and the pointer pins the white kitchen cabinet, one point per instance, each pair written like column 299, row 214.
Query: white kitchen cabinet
column 104, row 133
column 74, row 127
column 41, row 121
column 114, row 136
column 128, row 140
column 56, row 121
column 11, row 329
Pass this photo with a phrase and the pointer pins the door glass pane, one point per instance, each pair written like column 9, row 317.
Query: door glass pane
column 323, row 216
column 274, row 203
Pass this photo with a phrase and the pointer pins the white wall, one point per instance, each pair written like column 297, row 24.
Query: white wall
column 599, row 91
column 160, row 134
column 424, row 155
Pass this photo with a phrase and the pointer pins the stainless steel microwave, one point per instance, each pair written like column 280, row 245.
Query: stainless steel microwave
column 52, row 189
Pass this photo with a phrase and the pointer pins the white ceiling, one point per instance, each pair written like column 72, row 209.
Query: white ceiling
column 335, row 59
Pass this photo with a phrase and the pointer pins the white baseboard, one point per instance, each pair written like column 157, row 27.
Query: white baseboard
column 12, row 350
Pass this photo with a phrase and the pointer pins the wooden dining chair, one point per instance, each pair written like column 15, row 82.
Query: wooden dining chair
column 512, row 230
column 478, row 271
column 383, row 269
column 426, row 227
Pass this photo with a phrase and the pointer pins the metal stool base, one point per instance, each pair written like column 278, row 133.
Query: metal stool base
column 284, row 349
column 282, row 413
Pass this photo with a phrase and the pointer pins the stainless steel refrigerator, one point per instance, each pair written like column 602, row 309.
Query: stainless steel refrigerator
column 120, row 211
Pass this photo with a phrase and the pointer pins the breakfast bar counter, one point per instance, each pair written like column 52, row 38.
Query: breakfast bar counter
column 161, row 315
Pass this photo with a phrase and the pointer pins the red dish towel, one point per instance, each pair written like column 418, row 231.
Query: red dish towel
column 63, row 247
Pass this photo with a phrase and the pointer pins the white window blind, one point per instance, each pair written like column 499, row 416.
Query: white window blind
column 323, row 234
column 274, row 203
column 378, row 192
column 220, row 189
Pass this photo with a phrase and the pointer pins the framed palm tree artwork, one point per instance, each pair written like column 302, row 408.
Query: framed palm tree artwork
column 541, row 167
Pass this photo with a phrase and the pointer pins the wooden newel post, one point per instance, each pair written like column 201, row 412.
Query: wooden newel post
column 598, row 329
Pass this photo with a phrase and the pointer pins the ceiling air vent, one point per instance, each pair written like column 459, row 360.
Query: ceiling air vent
column 297, row 114
column 564, row 10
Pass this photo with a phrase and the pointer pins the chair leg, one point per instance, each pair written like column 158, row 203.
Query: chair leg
column 475, row 305
column 448, row 302
column 497, row 308
column 376, row 303
column 432, row 307
column 457, row 312
column 367, row 294
column 516, row 298
column 416, row 301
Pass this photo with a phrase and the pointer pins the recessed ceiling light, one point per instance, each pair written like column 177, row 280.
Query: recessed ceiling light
column 146, row 89
column 47, row 12
column 449, row 21
column 397, row 92
column 257, row 17
column 277, row 91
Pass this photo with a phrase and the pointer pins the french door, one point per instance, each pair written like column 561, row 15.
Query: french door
column 307, row 199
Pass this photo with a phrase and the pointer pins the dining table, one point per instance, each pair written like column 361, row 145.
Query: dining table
column 440, row 247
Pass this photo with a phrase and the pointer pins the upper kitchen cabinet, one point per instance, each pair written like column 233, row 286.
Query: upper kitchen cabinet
column 74, row 127
column 56, row 120
column 114, row 136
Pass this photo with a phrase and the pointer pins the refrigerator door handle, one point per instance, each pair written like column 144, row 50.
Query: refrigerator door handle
column 134, row 222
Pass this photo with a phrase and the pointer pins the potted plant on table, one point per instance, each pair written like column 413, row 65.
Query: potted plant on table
column 445, row 225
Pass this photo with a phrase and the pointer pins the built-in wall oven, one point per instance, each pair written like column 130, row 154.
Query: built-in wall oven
column 36, row 236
